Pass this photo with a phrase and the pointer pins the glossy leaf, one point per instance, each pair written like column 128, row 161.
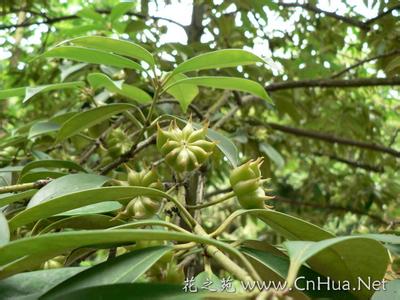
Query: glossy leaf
column 44, row 207
column 89, row 118
column 347, row 259
column 184, row 93
column 92, row 221
column 6, row 199
column 121, row 47
column 218, row 59
column 31, row 285
column 92, row 56
column 66, row 185
column 229, row 83
column 97, row 208
column 64, row 164
column 136, row 291
column 4, row 230
column 97, row 80
column 32, row 91
column 41, row 128
column 126, row 268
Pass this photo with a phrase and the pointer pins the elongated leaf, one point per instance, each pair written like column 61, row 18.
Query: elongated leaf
column 90, row 13
column 347, row 259
column 97, row 208
column 11, row 198
column 29, row 92
column 218, row 59
column 37, row 175
column 121, row 47
column 274, row 155
column 89, row 118
column 184, row 93
column 391, row 291
column 136, row 291
column 66, row 185
column 126, row 268
column 4, row 230
column 230, row 83
column 43, row 247
column 41, row 128
column 97, row 80
column 120, row 9
column 67, row 70
column 32, row 91
column 275, row 267
column 16, row 92
column 64, row 164
column 92, row 56
column 31, row 285
column 93, row 221
column 43, row 207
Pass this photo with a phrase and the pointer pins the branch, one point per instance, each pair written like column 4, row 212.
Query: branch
column 128, row 155
column 364, row 25
column 331, row 83
column 331, row 207
column 355, row 164
column 309, row 7
column 49, row 20
column 24, row 187
column 327, row 137
column 361, row 62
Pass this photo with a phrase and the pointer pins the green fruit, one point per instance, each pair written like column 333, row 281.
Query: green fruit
column 184, row 149
column 118, row 143
column 142, row 207
column 247, row 184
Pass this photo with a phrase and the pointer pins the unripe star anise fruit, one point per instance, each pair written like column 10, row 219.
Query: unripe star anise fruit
column 247, row 184
column 142, row 207
column 184, row 149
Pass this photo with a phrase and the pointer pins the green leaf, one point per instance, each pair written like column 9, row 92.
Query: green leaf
column 37, row 175
column 121, row 47
column 97, row 208
column 218, row 59
column 274, row 267
column 93, row 221
column 16, row 92
column 4, row 230
column 391, row 291
column 120, row 9
column 67, row 70
column 126, row 268
column 59, row 164
column 34, row 250
column 92, row 56
column 342, row 259
column 41, row 128
column 49, row 204
column 89, row 118
column 135, row 291
column 66, row 185
column 90, row 13
column 32, row 91
column 97, row 80
column 274, row 155
column 229, row 83
column 6, row 199
column 184, row 93
column 31, row 285
column 29, row 92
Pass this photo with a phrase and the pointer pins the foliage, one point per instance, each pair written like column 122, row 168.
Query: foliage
column 130, row 165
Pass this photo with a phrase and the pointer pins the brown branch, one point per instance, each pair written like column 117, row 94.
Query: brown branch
column 327, row 137
column 128, row 155
column 309, row 7
column 361, row 62
column 364, row 25
column 24, row 186
column 331, row 207
column 332, row 83
column 49, row 20
column 352, row 163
